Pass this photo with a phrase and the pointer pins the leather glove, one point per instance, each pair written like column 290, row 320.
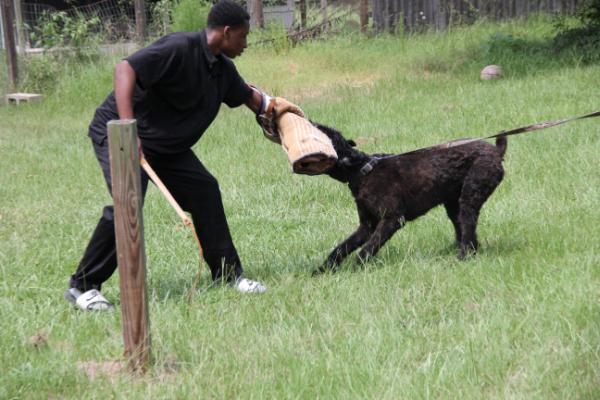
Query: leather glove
column 270, row 109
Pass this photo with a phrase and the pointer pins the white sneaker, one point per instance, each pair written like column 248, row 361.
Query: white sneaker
column 248, row 286
column 92, row 300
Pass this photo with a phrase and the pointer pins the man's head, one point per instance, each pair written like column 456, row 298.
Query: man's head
column 228, row 24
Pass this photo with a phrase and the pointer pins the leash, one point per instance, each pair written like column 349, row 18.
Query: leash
column 516, row 131
column 374, row 160
column 186, row 220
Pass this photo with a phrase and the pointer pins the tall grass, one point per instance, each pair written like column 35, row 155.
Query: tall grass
column 520, row 320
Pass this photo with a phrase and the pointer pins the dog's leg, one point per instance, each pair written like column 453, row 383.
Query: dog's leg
column 479, row 184
column 452, row 210
column 338, row 255
column 383, row 232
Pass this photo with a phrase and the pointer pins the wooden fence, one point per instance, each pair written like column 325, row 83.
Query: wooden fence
column 416, row 15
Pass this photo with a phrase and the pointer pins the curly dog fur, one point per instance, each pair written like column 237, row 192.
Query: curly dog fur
column 390, row 190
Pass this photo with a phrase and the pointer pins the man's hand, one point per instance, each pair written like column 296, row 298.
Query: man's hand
column 282, row 106
column 139, row 146
column 275, row 107
column 268, row 109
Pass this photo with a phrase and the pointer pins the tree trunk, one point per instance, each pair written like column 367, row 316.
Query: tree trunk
column 140, row 21
column 9, row 43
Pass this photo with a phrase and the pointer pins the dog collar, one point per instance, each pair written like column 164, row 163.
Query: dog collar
column 368, row 167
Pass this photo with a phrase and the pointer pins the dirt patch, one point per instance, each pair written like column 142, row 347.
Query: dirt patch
column 98, row 369
column 39, row 340
column 115, row 369
column 325, row 89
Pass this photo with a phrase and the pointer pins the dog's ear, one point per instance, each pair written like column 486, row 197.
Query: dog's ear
column 351, row 142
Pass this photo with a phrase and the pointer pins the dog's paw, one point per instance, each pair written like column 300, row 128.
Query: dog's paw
column 464, row 255
column 321, row 270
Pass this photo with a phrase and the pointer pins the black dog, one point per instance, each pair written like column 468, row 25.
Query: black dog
column 392, row 189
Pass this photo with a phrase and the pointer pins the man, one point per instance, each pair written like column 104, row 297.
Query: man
column 174, row 89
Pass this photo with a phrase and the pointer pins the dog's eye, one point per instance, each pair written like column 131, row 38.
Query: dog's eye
column 345, row 161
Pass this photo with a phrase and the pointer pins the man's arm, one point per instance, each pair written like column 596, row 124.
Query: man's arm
column 124, row 84
column 255, row 101
column 267, row 109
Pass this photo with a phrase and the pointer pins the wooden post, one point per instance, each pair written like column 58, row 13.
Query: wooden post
column 9, row 43
column 364, row 16
column 140, row 20
column 324, row 15
column 257, row 14
column 303, row 13
column 129, row 231
column 378, row 16
column 21, row 42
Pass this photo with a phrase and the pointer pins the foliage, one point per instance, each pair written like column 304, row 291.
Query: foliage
column 160, row 23
column 189, row 15
column 519, row 320
column 584, row 38
column 41, row 72
column 499, row 45
column 274, row 35
column 66, row 40
column 60, row 29
column 589, row 13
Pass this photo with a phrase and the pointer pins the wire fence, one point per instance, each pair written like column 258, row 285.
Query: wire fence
column 116, row 18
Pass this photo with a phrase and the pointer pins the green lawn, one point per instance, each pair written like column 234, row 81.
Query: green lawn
column 520, row 320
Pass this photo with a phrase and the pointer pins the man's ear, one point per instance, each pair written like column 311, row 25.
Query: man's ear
column 226, row 30
column 351, row 142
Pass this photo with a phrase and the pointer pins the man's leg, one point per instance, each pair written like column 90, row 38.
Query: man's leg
column 197, row 192
column 100, row 260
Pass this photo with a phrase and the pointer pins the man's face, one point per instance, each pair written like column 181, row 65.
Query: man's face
column 234, row 41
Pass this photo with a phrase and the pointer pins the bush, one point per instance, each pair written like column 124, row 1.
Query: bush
column 274, row 35
column 190, row 15
column 583, row 39
column 40, row 73
column 60, row 29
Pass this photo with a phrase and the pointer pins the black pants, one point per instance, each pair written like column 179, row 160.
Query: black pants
column 196, row 191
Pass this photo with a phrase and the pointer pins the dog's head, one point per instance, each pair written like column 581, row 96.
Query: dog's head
column 350, row 159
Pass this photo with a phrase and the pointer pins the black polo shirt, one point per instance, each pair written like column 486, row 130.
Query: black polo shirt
column 179, row 90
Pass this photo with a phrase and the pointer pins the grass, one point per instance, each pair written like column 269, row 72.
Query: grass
column 520, row 320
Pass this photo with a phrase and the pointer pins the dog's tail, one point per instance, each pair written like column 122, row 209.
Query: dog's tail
column 501, row 145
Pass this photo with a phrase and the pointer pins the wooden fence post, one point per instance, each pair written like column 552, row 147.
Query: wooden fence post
column 20, row 27
column 140, row 20
column 129, row 230
column 257, row 16
column 324, row 16
column 364, row 16
column 9, row 43
column 303, row 13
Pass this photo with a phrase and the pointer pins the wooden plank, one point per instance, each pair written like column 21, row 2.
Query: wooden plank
column 9, row 44
column 364, row 15
column 17, row 98
column 377, row 16
column 129, row 230
column 406, row 16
